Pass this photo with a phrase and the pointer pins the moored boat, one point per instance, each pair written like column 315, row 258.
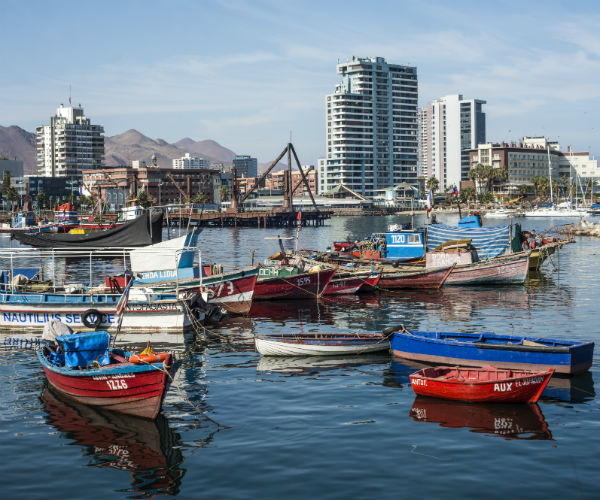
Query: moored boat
column 306, row 285
column 393, row 278
column 321, row 344
column 85, row 369
column 502, row 351
column 349, row 283
column 482, row 385
column 504, row 270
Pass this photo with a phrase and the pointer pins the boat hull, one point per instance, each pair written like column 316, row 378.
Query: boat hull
column 298, row 286
column 33, row 311
column 495, row 271
column 350, row 284
column 430, row 278
column 131, row 389
column 318, row 347
column 480, row 385
column 501, row 351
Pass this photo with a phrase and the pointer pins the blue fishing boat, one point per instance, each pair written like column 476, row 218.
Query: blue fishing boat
column 501, row 351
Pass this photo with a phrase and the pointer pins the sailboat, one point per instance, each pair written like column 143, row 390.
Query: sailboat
column 561, row 210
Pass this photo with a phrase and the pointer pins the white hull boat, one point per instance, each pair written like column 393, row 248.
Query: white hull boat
column 320, row 344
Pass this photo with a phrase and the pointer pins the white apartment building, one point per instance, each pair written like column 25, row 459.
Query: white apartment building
column 449, row 128
column 371, row 127
column 188, row 161
column 70, row 144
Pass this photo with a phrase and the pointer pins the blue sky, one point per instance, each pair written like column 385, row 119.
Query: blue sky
column 246, row 73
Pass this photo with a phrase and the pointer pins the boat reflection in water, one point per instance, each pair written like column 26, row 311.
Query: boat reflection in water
column 148, row 449
column 577, row 389
column 309, row 365
column 506, row 420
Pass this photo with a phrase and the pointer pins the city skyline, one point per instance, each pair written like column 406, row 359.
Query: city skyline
column 247, row 74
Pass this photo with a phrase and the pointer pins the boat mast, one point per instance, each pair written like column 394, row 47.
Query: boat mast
column 550, row 178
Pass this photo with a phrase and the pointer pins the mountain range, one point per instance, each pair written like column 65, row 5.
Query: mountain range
column 121, row 149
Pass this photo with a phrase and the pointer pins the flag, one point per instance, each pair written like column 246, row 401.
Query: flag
column 299, row 226
column 69, row 99
column 453, row 191
column 124, row 298
column 429, row 199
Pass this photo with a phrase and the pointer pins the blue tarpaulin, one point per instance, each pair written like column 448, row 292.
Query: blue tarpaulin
column 83, row 348
column 488, row 241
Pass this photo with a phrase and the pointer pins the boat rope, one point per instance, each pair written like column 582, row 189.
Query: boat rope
column 200, row 329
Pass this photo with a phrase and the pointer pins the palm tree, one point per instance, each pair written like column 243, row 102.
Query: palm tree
column 524, row 190
column 433, row 184
column 224, row 193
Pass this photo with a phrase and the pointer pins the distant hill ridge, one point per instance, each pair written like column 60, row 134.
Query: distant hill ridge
column 121, row 149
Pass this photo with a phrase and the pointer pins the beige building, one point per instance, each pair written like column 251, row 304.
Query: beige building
column 533, row 157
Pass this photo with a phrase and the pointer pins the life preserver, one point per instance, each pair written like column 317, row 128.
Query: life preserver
column 85, row 318
column 148, row 358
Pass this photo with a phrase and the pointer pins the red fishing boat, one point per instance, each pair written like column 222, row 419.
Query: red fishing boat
column 349, row 283
column 426, row 278
column 84, row 368
column 480, row 385
column 296, row 286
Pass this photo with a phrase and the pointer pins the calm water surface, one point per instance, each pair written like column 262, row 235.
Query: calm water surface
column 323, row 428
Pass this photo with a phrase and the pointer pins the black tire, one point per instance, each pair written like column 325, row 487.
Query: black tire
column 387, row 332
column 85, row 318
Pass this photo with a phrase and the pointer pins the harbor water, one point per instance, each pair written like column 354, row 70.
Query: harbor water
column 237, row 425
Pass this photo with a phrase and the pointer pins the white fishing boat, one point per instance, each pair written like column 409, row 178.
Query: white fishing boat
column 169, row 267
column 500, row 213
column 321, row 344
column 29, row 304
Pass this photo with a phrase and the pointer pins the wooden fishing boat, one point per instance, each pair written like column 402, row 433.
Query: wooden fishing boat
column 84, row 368
column 349, row 283
column 502, row 351
column 480, row 385
column 504, row 270
column 309, row 285
column 321, row 344
column 393, row 278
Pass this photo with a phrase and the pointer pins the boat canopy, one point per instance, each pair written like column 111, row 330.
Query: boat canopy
column 489, row 241
column 84, row 348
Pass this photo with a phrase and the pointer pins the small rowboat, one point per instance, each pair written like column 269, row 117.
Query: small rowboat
column 502, row 351
column 480, row 385
column 84, row 368
column 321, row 344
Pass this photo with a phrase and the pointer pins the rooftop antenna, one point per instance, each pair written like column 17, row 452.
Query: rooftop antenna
column 69, row 94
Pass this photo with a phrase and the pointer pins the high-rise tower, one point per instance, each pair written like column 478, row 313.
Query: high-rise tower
column 449, row 128
column 70, row 144
column 371, row 127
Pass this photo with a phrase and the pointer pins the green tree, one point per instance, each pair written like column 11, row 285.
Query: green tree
column 524, row 189
column 468, row 194
column 433, row 184
column 143, row 199
column 200, row 198
column 224, row 193
column 42, row 200
column 9, row 193
column 486, row 197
